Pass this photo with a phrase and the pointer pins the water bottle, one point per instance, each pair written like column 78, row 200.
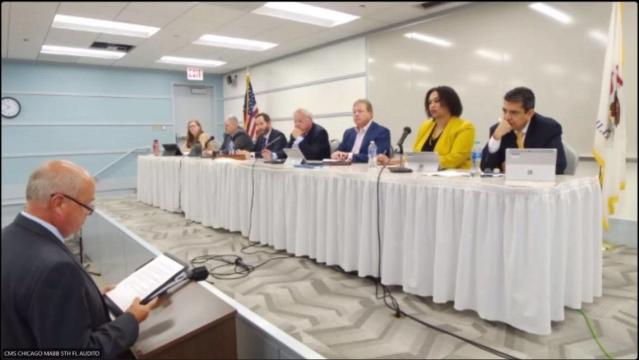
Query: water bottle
column 156, row 147
column 372, row 155
column 476, row 159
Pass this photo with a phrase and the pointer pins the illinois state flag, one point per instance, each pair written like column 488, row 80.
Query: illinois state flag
column 610, row 129
column 250, row 108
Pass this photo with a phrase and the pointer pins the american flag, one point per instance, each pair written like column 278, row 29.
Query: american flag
column 250, row 108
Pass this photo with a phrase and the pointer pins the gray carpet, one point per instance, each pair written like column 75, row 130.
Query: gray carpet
column 338, row 315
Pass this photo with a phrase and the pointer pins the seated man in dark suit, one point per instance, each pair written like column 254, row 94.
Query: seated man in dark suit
column 48, row 300
column 270, row 140
column 236, row 135
column 311, row 138
column 355, row 142
column 521, row 127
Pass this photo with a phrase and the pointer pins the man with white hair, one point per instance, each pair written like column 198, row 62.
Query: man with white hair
column 235, row 134
column 48, row 300
column 311, row 138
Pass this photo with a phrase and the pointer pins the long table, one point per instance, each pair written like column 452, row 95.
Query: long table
column 513, row 254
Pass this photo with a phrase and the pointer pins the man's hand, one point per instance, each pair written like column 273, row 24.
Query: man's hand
column 296, row 132
column 502, row 129
column 382, row 159
column 266, row 154
column 141, row 312
column 106, row 289
column 339, row 155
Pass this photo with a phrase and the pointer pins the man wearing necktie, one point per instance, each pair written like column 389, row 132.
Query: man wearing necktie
column 521, row 127
column 270, row 141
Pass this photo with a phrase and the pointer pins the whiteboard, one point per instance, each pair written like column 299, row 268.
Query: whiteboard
column 561, row 63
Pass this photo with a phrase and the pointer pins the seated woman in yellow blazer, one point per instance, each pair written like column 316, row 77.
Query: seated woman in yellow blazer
column 451, row 137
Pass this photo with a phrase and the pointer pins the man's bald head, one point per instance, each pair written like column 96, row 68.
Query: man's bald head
column 57, row 176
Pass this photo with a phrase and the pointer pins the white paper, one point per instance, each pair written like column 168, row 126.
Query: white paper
column 144, row 281
column 449, row 173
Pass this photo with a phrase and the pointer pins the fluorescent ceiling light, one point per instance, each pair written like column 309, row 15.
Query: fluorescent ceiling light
column 492, row 55
column 102, row 26
column 412, row 67
column 305, row 13
column 429, row 39
column 599, row 36
column 73, row 51
column 551, row 12
column 234, row 43
column 190, row 61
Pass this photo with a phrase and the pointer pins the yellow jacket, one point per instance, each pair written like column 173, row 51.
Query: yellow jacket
column 455, row 144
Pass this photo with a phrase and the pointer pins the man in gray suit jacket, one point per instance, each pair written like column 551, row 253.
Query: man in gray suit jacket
column 48, row 299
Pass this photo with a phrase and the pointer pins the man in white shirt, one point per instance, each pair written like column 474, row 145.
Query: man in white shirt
column 355, row 141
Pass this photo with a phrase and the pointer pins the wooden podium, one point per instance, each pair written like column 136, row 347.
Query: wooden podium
column 190, row 323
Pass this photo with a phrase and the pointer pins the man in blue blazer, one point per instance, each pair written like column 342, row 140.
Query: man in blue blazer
column 521, row 127
column 269, row 140
column 309, row 137
column 48, row 299
column 355, row 142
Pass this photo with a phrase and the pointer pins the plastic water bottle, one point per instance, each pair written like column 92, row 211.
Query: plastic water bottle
column 476, row 159
column 372, row 155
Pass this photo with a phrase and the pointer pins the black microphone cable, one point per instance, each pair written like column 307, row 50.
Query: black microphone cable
column 394, row 305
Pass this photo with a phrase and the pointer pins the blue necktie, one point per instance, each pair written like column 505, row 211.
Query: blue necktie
column 263, row 145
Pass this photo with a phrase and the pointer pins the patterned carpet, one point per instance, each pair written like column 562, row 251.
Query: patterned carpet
column 338, row 315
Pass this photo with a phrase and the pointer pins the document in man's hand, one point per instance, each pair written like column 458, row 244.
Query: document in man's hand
column 145, row 282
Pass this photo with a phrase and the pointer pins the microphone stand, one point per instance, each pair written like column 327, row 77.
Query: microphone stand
column 401, row 168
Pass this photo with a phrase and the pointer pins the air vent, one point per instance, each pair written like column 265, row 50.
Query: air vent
column 431, row 4
column 111, row 46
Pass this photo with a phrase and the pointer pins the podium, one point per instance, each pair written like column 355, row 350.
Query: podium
column 190, row 323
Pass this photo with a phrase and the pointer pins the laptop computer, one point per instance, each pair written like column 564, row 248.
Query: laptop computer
column 196, row 150
column 294, row 156
column 424, row 162
column 171, row 150
column 530, row 165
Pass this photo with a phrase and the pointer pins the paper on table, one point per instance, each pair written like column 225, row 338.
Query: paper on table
column 449, row 173
column 144, row 281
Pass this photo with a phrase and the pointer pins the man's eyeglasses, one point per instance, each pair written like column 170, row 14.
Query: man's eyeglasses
column 89, row 208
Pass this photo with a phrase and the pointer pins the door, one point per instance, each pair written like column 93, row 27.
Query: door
column 192, row 102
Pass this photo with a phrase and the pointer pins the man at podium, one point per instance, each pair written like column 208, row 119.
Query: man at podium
column 48, row 300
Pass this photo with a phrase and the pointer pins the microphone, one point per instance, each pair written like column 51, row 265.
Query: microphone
column 400, row 145
column 209, row 140
column 404, row 135
column 196, row 274
column 279, row 136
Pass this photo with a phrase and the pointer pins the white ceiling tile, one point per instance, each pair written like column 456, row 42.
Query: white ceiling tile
column 5, row 27
column 288, row 32
column 158, row 15
column 28, row 28
column 98, row 10
column 240, row 5
column 249, row 25
column 65, row 37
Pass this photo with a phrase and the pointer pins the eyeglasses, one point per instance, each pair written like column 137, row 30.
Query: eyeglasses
column 89, row 208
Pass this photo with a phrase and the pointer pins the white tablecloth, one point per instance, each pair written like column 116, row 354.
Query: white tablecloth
column 517, row 255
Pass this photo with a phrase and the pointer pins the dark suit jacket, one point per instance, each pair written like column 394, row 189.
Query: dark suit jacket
column 241, row 140
column 276, row 145
column 49, row 300
column 543, row 132
column 375, row 132
column 315, row 145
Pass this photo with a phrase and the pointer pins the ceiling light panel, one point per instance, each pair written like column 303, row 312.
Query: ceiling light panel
column 234, row 43
column 305, row 13
column 82, row 52
column 102, row 26
column 175, row 60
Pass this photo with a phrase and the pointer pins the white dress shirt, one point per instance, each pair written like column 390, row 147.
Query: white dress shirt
column 48, row 226
column 357, row 146
column 493, row 145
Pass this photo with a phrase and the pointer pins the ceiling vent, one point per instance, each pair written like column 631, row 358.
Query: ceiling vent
column 112, row 46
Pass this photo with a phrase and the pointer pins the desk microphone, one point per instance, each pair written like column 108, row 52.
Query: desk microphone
column 400, row 145
column 196, row 274
column 209, row 140
column 273, row 141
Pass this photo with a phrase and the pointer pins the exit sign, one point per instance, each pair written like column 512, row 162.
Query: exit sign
column 193, row 73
